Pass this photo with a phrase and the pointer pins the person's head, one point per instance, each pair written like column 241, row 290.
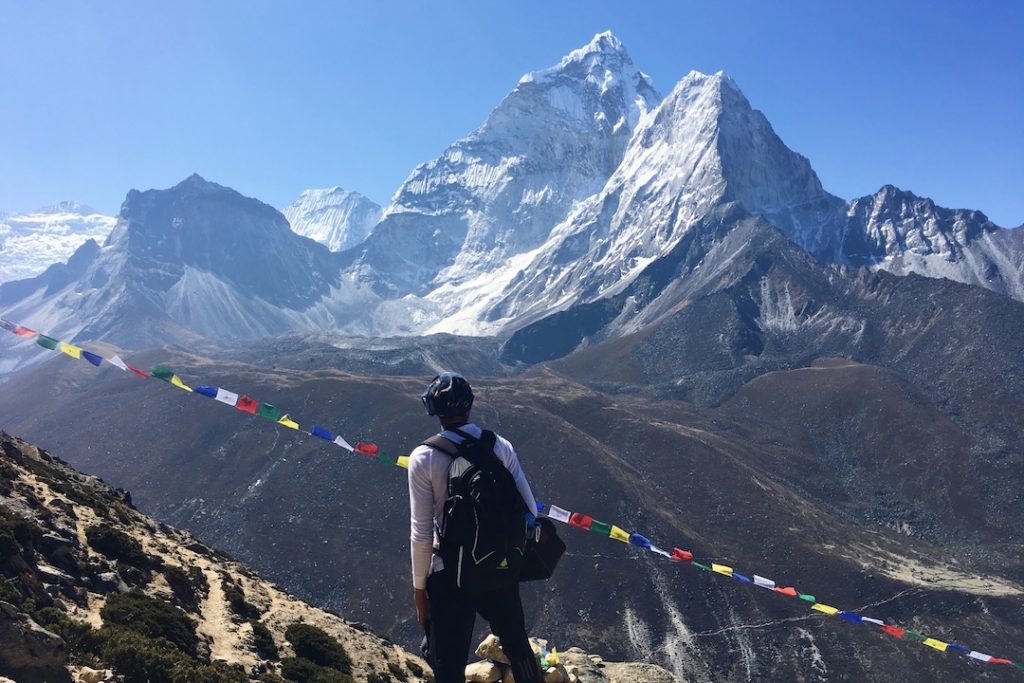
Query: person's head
column 449, row 398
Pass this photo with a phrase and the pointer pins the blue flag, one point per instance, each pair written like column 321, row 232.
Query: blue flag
column 206, row 390
column 92, row 358
column 322, row 433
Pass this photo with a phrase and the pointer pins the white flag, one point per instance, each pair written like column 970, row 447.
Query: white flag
column 656, row 549
column 877, row 622
column 555, row 512
column 980, row 655
column 117, row 362
column 344, row 444
column 225, row 396
column 763, row 582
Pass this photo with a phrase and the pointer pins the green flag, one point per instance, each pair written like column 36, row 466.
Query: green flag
column 703, row 567
column 601, row 528
column 269, row 412
column 804, row 596
column 917, row 635
column 386, row 458
column 47, row 342
column 162, row 372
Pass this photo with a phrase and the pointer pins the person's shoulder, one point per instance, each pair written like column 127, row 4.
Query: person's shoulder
column 420, row 453
column 502, row 442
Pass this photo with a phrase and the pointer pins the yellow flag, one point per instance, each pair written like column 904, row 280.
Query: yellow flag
column 619, row 534
column 178, row 383
column 825, row 608
column 721, row 569
column 72, row 351
column 937, row 644
column 403, row 462
column 288, row 422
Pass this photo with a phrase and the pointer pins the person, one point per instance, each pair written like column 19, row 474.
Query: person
column 446, row 612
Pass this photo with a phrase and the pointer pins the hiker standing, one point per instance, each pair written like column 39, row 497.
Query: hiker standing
column 470, row 505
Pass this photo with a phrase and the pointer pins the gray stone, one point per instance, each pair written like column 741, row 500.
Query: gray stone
column 28, row 652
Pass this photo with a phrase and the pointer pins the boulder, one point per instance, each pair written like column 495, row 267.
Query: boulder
column 483, row 672
column 490, row 648
column 87, row 675
column 553, row 675
column 109, row 582
column 29, row 652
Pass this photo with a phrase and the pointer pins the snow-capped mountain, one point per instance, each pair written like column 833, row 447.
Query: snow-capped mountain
column 336, row 218
column 497, row 193
column 196, row 259
column 902, row 233
column 31, row 242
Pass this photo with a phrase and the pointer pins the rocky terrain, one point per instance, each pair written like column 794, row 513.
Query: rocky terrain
column 92, row 590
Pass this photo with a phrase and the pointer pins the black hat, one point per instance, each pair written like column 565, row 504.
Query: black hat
column 449, row 395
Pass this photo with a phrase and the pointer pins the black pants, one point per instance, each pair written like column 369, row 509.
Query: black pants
column 452, row 618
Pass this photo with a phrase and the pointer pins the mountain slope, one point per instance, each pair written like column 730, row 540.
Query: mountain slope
column 29, row 243
column 336, row 218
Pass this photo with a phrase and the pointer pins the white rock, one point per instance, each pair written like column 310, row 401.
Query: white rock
column 490, row 648
column 483, row 672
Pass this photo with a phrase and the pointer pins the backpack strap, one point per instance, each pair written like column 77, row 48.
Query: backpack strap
column 442, row 444
column 487, row 440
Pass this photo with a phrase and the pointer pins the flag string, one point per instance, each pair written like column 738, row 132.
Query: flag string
column 579, row 520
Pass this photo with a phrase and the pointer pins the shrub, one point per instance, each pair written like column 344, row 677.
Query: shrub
column 397, row 671
column 151, row 618
column 182, row 588
column 235, row 596
column 119, row 546
column 81, row 639
column 313, row 644
column 379, row 678
column 138, row 658
column 218, row 672
column 415, row 668
column 263, row 641
column 301, row 670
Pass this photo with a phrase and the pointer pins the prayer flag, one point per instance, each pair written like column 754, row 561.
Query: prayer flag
column 999, row 660
column 384, row 457
column 288, row 422
column 370, row 449
column 344, row 444
column 580, row 520
column 207, row 390
column 936, row 644
column 805, row 597
column 876, row 622
column 175, row 381
column 247, row 405
column 92, row 358
column 916, row 635
column 788, row 591
column 322, row 433
column 117, row 362
column 682, row 555
column 47, row 342
column 640, row 541
column 740, row 577
column 894, row 631
column 403, row 462
column 825, row 609
column 721, row 569
column 24, row 331
column 601, row 528
column 71, row 350
column 700, row 566
column 959, row 648
column 656, row 549
column 269, row 412
column 225, row 396
column 763, row 582
column 850, row 616
column 619, row 534
column 540, row 506
column 559, row 514
column 162, row 372
column 7, row 325
column 140, row 373
column 974, row 654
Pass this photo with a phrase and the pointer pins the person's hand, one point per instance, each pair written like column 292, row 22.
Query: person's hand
column 419, row 596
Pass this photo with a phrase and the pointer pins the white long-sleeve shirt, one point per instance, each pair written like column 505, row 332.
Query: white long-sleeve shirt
column 428, row 490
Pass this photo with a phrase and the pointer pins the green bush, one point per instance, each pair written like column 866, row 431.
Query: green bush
column 301, row 670
column 263, row 641
column 235, row 596
column 397, row 671
column 151, row 618
column 81, row 639
column 119, row 546
column 415, row 668
column 182, row 588
column 138, row 658
column 379, row 678
column 313, row 644
column 218, row 672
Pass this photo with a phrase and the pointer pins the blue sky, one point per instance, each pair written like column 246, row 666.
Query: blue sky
column 274, row 97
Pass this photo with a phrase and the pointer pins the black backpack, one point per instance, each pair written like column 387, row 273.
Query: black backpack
column 483, row 528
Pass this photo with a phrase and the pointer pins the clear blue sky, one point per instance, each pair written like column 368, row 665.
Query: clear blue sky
column 274, row 97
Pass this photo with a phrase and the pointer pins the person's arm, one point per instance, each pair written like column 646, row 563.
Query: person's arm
column 421, row 525
column 507, row 454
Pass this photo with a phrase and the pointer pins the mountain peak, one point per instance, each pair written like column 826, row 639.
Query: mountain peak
column 68, row 206
column 604, row 55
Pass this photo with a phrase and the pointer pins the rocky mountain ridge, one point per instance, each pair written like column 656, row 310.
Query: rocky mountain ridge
column 32, row 242
column 336, row 218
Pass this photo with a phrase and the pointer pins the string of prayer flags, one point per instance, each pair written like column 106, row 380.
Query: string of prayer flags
column 249, row 405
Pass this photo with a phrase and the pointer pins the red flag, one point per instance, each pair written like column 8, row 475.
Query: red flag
column 789, row 590
column 366, row 448
column 581, row 520
column 24, row 331
column 140, row 373
column 894, row 631
column 247, row 405
column 682, row 555
column 999, row 660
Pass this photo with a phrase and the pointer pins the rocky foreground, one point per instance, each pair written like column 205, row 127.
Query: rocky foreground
column 94, row 590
